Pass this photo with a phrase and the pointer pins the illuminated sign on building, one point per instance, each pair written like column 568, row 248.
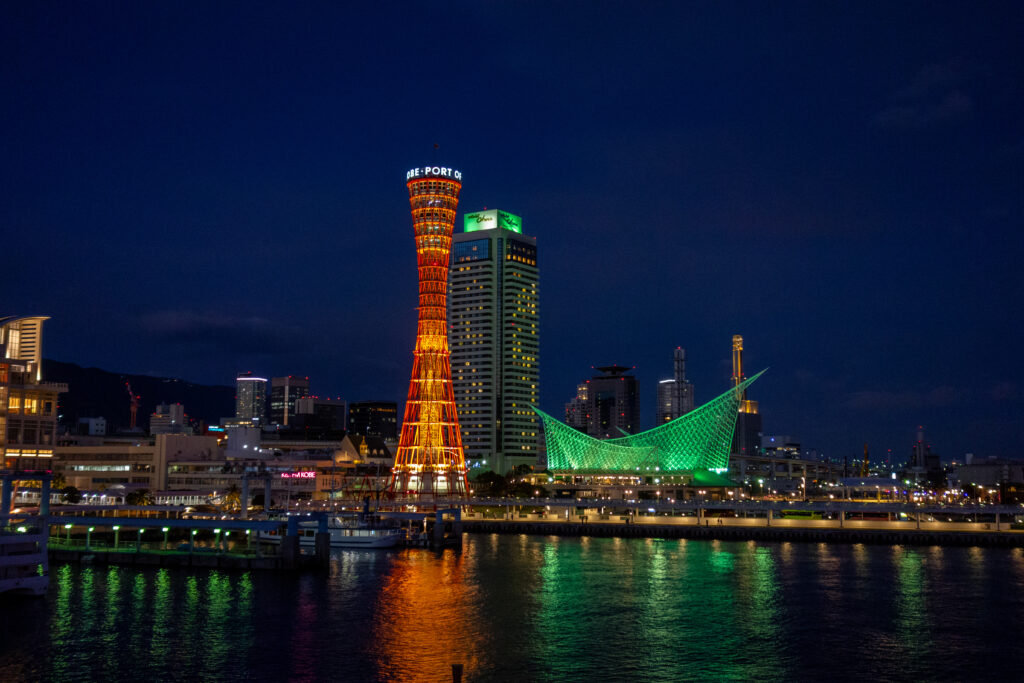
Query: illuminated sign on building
column 437, row 171
column 488, row 220
column 298, row 475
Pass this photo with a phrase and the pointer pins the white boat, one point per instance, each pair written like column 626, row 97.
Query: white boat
column 343, row 535
column 24, row 563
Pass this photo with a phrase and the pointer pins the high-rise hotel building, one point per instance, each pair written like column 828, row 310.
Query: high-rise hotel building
column 494, row 340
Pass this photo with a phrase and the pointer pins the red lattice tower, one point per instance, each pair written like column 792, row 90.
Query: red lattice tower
column 430, row 461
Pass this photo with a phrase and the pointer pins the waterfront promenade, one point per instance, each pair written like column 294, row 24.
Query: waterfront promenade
column 840, row 522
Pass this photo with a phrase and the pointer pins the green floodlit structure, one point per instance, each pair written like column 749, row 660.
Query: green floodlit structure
column 699, row 440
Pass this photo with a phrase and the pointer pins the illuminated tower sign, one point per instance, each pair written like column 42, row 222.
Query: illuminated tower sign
column 430, row 460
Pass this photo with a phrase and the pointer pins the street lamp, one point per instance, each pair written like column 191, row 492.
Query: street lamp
column 68, row 527
column 138, row 542
column 117, row 531
column 88, row 537
column 165, row 530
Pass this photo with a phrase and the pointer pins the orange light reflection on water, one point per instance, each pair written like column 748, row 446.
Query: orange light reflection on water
column 427, row 617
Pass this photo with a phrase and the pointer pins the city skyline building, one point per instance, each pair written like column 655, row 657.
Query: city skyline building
column 430, row 461
column 250, row 398
column 315, row 414
column 378, row 419
column 576, row 409
column 169, row 418
column 494, row 340
column 676, row 395
column 746, row 439
column 284, row 391
column 612, row 403
column 28, row 406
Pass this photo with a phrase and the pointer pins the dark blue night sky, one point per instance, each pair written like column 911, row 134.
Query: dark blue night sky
column 194, row 189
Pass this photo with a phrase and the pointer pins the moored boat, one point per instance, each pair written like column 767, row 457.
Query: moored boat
column 344, row 534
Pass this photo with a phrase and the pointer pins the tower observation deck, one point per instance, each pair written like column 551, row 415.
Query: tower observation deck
column 430, row 461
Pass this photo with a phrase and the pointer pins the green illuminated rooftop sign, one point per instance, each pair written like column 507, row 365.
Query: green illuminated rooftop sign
column 488, row 220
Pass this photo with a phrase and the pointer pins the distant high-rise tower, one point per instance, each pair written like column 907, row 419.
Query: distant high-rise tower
column 284, row 391
column 495, row 344
column 576, row 409
column 430, row 460
column 746, row 440
column 675, row 396
column 668, row 401
column 613, row 405
column 250, row 397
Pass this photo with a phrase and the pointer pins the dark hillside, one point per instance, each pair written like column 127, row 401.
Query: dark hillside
column 99, row 393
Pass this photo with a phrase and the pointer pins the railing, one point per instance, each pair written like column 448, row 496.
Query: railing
column 152, row 547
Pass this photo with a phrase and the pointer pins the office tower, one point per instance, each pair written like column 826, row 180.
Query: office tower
column 576, row 409
column 430, row 460
column 675, row 396
column 378, row 419
column 613, row 405
column 169, row 419
column 684, row 387
column 28, row 406
column 668, row 401
column 250, row 398
column 283, row 393
column 320, row 415
column 747, row 438
column 494, row 340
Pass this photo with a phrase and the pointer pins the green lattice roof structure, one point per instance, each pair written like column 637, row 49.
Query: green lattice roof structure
column 699, row 440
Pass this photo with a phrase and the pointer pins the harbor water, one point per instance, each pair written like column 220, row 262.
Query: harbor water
column 538, row 608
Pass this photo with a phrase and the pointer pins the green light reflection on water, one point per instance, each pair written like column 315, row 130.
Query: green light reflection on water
column 912, row 619
column 215, row 632
column 159, row 644
column 61, row 630
column 111, row 610
column 703, row 603
column 140, row 631
column 189, row 627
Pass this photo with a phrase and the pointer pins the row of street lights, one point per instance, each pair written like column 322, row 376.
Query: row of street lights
column 166, row 530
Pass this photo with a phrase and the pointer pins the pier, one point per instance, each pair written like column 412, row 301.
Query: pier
column 125, row 537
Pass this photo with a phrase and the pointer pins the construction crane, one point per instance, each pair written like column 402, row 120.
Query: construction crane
column 134, row 407
column 864, row 466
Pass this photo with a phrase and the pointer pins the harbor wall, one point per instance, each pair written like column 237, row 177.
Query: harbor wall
column 927, row 537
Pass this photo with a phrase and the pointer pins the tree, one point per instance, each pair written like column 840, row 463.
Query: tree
column 69, row 494
column 233, row 498
column 527, row 490
column 139, row 497
column 489, row 484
